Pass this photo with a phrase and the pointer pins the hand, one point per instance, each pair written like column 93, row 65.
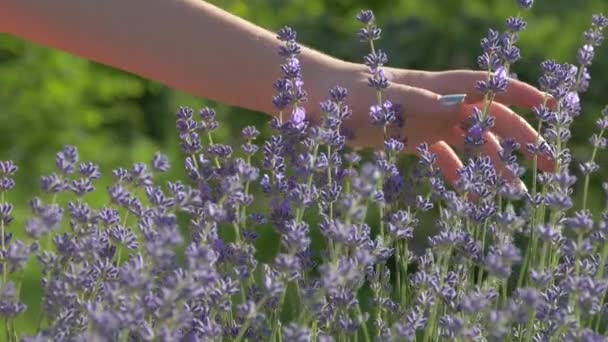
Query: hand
column 428, row 120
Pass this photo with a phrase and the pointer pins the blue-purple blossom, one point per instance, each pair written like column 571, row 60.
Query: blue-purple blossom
column 371, row 31
column 66, row 159
column 496, row 84
column 525, row 4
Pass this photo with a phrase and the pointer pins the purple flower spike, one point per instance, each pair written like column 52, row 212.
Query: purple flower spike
column 365, row 16
column 298, row 115
column 525, row 4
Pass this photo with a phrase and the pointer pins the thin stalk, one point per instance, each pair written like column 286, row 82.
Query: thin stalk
column 313, row 331
column 531, row 240
column 277, row 311
column 243, row 220
column 444, row 262
column 588, row 176
column 505, row 286
column 245, row 326
column 600, row 275
column 118, row 255
column 217, row 162
column 543, row 255
column 404, row 264
column 556, row 213
column 398, row 270
column 530, row 325
column 364, row 325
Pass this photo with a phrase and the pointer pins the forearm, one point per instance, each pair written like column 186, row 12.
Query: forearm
column 186, row 44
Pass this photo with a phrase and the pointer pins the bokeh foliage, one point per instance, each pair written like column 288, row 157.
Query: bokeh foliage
column 49, row 98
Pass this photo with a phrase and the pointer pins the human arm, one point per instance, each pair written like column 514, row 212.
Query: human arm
column 188, row 45
column 193, row 46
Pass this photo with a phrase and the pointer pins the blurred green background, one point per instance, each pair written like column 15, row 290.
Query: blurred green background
column 49, row 98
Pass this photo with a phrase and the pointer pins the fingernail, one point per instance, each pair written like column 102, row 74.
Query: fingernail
column 548, row 97
column 452, row 99
column 522, row 187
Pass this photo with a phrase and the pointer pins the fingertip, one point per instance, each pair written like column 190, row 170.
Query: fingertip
column 447, row 161
column 550, row 100
column 547, row 164
column 522, row 94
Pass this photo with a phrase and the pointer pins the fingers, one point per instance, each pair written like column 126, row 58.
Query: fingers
column 518, row 93
column 439, row 124
column 491, row 148
column 425, row 103
column 508, row 124
column 447, row 161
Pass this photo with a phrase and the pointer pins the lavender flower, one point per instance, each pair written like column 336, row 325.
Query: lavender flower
column 525, row 4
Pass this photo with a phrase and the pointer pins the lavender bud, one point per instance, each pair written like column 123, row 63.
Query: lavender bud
column 160, row 162
column 525, row 4
column 8, row 167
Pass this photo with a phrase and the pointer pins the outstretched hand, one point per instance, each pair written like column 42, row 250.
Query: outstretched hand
column 430, row 120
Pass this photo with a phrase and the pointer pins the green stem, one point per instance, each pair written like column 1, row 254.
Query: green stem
column 364, row 325
column 237, row 232
column 11, row 322
column 444, row 262
column 217, row 162
column 313, row 331
column 379, row 308
column 505, row 286
column 577, row 271
column 278, row 310
column 118, row 255
column 7, row 330
column 245, row 326
column 398, row 270
column 300, row 211
column 587, row 176
column 531, row 245
column 244, row 209
column 404, row 264
column 530, row 325
column 600, row 275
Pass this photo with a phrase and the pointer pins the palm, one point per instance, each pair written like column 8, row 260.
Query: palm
column 427, row 120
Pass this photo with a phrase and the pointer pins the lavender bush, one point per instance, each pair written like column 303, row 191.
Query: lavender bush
column 504, row 265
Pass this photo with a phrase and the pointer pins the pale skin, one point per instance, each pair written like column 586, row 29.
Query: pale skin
column 200, row 49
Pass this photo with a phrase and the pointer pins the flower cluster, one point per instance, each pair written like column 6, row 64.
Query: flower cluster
column 179, row 261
